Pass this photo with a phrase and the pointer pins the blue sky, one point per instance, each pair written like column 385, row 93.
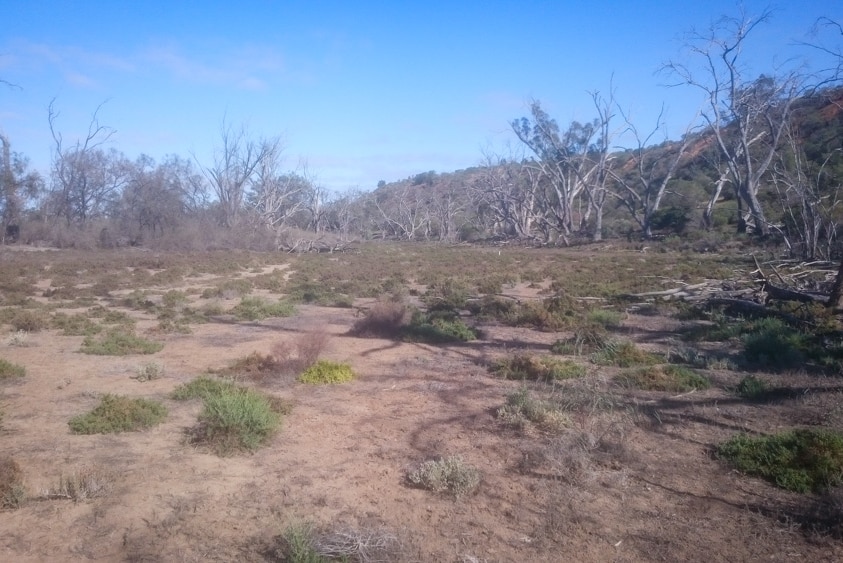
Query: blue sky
column 362, row 91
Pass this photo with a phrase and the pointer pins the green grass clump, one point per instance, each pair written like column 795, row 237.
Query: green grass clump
column 202, row 388
column 521, row 409
column 451, row 475
column 117, row 413
column 539, row 368
column 802, row 460
column 235, row 420
column 624, row 354
column 257, row 308
column 119, row 342
column 664, row 377
column 326, row 372
column 8, row 370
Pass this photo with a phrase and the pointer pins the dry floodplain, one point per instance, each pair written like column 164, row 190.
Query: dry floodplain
column 462, row 404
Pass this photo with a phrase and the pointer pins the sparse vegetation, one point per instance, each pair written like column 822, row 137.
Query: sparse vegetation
column 437, row 327
column 386, row 318
column 85, row 484
column 258, row 308
column 624, row 354
column 117, row 413
column 539, row 368
column 585, row 340
column 301, row 543
column 449, row 475
column 201, row 388
column 75, row 325
column 802, row 460
column 664, row 377
column 327, row 372
column 522, row 409
column 752, row 388
column 29, row 320
column 9, row 371
column 119, row 342
column 149, row 372
column 12, row 490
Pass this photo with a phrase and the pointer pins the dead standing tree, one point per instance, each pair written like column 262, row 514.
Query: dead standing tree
column 746, row 117
column 235, row 164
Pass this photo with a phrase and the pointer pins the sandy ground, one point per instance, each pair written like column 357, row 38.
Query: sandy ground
column 341, row 457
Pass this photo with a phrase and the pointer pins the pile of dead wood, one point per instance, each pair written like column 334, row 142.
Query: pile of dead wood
column 751, row 292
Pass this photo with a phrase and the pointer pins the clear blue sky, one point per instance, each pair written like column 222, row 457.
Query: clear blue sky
column 363, row 91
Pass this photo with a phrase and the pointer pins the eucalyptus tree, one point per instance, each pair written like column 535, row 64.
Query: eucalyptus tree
column 747, row 116
column 86, row 179
column 236, row 161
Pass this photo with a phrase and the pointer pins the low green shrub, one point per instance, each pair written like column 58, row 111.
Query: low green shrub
column 802, row 460
column 327, row 372
column 753, row 388
column 173, row 298
column 773, row 344
column 8, row 370
column 450, row 475
column 539, row 368
column 257, row 308
column 448, row 294
column 30, row 320
column 493, row 307
column 119, row 342
column 318, row 294
column 664, row 377
column 550, row 314
column 438, row 327
column 75, row 325
column 117, row 413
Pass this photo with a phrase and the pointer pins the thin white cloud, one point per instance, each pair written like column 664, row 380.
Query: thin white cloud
column 247, row 68
column 80, row 80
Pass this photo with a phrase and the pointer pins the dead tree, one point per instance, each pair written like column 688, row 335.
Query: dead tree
column 747, row 117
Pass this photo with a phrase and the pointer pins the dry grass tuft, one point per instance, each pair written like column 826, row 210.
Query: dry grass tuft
column 85, row 484
column 12, row 491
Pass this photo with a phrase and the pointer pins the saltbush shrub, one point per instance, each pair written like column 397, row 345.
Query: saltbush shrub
column 802, row 460
column 117, row 413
